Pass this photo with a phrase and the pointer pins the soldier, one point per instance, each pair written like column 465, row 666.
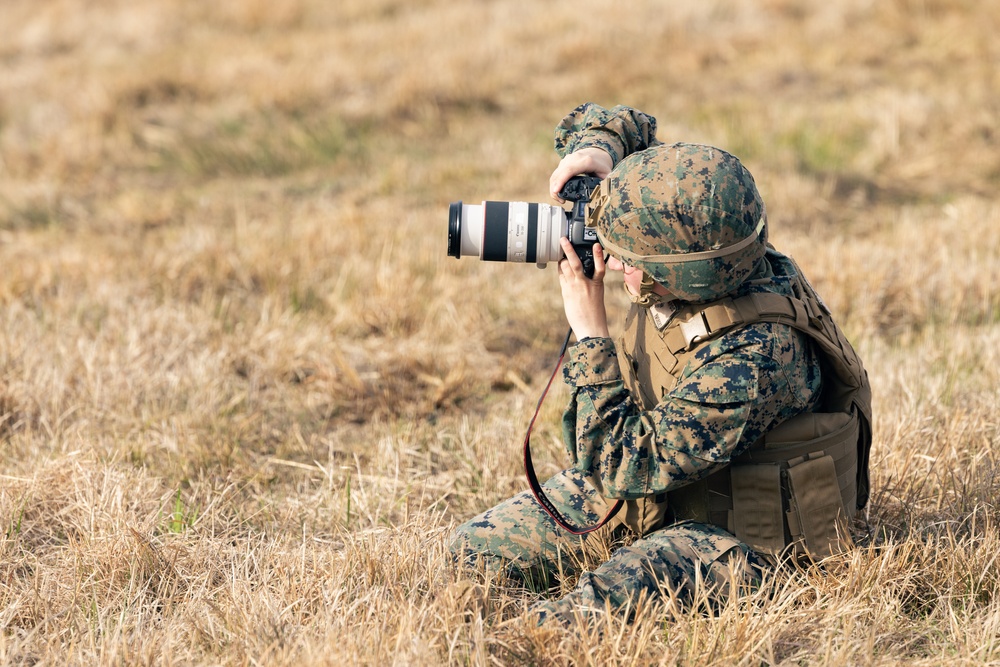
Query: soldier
column 731, row 417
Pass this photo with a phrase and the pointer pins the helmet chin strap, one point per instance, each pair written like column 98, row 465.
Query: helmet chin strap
column 646, row 297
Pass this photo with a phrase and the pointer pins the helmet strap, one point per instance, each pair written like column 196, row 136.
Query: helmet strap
column 646, row 297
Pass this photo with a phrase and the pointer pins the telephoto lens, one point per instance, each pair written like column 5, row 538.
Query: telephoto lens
column 502, row 231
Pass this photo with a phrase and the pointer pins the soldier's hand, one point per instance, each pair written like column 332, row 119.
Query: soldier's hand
column 590, row 160
column 583, row 297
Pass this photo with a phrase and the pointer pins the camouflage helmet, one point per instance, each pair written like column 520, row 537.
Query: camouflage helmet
column 689, row 216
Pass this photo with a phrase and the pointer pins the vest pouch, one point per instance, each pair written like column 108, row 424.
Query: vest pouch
column 832, row 433
column 758, row 510
column 816, row 517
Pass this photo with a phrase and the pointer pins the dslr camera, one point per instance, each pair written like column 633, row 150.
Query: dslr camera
column 517, row 231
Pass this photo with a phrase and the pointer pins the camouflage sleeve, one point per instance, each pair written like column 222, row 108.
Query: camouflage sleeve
column 620, row 131
column 593, row 361
column 712, row 414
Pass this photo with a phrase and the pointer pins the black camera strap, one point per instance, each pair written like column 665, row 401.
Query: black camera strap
column 529, row 468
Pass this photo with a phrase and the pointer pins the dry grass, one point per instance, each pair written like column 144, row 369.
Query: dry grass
column 244, row 396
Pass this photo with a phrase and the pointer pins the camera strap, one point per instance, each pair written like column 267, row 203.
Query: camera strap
column 529, row 468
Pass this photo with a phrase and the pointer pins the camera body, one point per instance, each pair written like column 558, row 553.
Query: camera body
column 498, row 231
column 577, row 191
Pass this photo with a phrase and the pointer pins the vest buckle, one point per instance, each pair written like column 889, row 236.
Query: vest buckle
column 695, row 329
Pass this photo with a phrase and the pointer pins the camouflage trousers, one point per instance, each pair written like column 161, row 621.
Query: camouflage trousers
column 519, row 538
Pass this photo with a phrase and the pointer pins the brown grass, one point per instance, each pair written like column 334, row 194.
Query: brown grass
column 244, row 396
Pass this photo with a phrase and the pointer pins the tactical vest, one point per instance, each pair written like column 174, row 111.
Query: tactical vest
column 795, row 488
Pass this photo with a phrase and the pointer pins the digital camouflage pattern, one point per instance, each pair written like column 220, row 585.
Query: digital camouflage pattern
column 518, row 539
column 677, row 200
column 634, row 441
column 628, row 437
column 619, row 131
column 688, row 215
column 673, row 561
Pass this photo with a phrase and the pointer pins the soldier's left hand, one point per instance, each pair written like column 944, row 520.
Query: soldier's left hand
column 590, row 160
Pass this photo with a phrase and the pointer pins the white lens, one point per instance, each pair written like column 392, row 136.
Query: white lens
column 498, row 231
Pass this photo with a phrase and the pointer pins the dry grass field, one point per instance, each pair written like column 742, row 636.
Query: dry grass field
column 245, row 396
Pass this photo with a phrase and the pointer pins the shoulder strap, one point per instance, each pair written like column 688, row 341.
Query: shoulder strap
column 805, row 312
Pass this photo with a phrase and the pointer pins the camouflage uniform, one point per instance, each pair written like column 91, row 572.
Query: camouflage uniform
column 625, row 441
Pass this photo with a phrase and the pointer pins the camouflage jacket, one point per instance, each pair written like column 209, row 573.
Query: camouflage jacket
column 736, row 388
